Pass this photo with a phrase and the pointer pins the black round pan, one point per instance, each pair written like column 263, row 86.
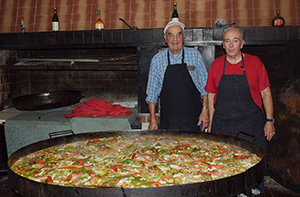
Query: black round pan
column 47, row 100
column 222, row 187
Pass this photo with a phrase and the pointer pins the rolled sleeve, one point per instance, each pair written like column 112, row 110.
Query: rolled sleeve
column 154, row 83
column 202, row 76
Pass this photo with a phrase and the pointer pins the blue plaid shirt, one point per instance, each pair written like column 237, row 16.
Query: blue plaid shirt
column 158, row 67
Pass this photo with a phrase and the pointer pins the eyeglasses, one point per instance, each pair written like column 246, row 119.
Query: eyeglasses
column 172, row 36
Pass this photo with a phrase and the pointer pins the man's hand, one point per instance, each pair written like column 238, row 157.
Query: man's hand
column 203, row 118
column 269, row 130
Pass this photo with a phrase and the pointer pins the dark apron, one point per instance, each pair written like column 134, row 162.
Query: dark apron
column 236, row 114
column 180, row 100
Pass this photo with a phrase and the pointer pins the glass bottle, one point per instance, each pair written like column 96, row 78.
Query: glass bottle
column 23, row 26
column 175, row 13
column 99, row 25
column 55, row 21
column 278, row 21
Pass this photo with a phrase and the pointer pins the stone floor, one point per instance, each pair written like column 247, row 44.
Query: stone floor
column 272, row 189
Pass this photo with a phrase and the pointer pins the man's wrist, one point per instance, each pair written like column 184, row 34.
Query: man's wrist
column 270, row 120
column 204, row 108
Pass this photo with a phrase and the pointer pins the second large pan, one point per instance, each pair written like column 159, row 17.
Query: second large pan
column 47, row 100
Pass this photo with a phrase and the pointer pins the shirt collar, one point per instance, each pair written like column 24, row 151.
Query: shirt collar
column 177, row 56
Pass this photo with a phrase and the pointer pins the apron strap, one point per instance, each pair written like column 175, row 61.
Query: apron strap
column 243, row 65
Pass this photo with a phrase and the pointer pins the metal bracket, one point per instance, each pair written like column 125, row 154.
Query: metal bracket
column 58, row 133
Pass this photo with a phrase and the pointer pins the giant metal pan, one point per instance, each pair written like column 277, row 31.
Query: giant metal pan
column 47, row 100
column 222, row 187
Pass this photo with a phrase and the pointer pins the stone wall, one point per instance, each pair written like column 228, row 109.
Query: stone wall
column 5, row 76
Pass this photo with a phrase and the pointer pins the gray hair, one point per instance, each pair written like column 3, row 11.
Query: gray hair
column 234, row 29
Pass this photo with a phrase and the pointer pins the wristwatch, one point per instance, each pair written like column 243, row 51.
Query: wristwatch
column 271, row 120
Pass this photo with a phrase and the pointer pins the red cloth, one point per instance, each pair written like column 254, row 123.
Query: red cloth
column 97, row 108
column 255, row 72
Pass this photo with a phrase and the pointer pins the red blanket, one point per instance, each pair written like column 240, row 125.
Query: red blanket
column 97, row 108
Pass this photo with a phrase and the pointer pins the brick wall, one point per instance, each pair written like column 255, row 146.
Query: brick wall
column 81, row 14
column 110, row 79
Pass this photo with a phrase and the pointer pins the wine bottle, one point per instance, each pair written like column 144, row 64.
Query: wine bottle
column 99, row 25
column 23, row 26
column 278, row 21
column 55, row 21
column 175, row 16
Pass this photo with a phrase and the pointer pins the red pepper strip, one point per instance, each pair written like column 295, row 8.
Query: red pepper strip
column 173, row 138
column 180, row 146
column 71, row 167
column 168, row 177
column 49, row 179
column 93, row 141
column 216, row 166
column 208, row 173
column 188, row 154
column 104, row 148
column 240, row 157
column 24, row 170
column 220, row 147
column 112, row 139
column 91, row 173
column 73, row 152
column 88, row 166
column 108, row 148
column 40, row 161
column 117, row 181
column 200, row 161
column 133, row 174
column 156, row 183
column 156, row 167
column 147, row 148
column 115, row 167
column 68, row 178
column 133, row 156
column 80, row 161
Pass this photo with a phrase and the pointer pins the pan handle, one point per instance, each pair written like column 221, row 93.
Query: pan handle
column 58, row 133
column 249, row 135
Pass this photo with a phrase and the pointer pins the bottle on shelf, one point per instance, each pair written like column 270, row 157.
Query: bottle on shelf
column 23, row 26
column 175, row 16
column 55, row 21
column 99, row 25
column 278, row 20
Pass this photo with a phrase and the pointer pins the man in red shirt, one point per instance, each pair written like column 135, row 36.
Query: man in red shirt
column 237, row 87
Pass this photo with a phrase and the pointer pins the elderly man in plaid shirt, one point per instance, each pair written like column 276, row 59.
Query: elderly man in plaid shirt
column 178, row 76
